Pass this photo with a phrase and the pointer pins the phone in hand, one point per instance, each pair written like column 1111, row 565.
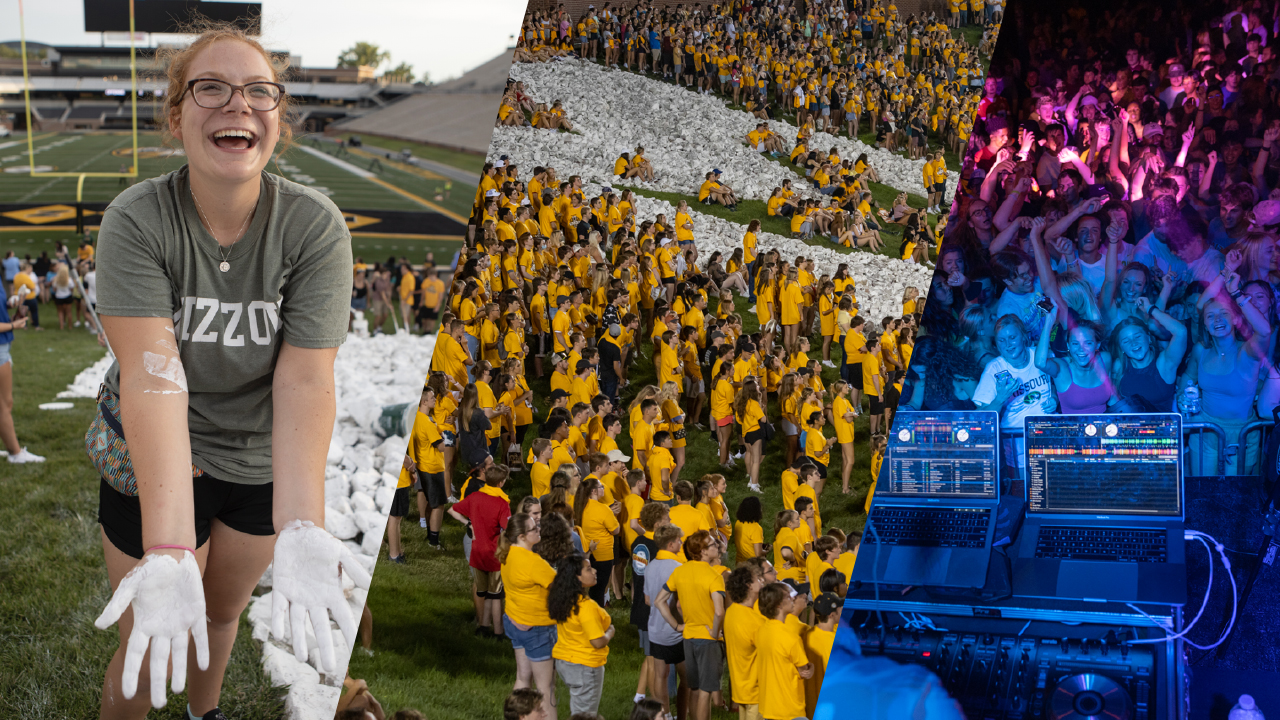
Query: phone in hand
column 1045, row 304
column 1004, row 376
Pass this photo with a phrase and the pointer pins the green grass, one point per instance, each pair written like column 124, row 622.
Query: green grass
column 471, row 162
column 52, row 658
column 426, row 655
column 94, row 153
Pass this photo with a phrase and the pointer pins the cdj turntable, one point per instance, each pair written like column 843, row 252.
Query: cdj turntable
column 999, row 671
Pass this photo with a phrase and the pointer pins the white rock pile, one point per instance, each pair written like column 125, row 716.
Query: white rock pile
column 362, row 469
column 684, row 134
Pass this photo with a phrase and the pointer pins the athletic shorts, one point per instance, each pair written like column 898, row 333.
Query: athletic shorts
column 753, row 437
column 877, row 405
column 855, row 376
column 488, row 583
column 71, row 298
column 940, row 187
column 433, row 486
column 426, row 313
column 400, row 503
column 245, row 508
column 789, row 428
column 726, row 420
column 703, row 664
column 669, row 654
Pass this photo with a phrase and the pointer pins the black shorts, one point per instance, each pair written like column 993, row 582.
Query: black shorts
column 877, row 405
column 940, row 187
column 426, row 313
column 400, row 503
column 822, row 469
column 64, row 301
column 855, row 376
column 432, row 484
column 245, row 508
column 669, row 654
column 753, row 437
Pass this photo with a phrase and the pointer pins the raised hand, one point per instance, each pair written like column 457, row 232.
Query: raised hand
column 1188, row 135
column 1234, row 260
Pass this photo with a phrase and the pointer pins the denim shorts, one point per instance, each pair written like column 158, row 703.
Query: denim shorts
column 536, row 642
column 5, row 357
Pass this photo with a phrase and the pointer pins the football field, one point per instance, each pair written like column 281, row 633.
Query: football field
column 357, row 181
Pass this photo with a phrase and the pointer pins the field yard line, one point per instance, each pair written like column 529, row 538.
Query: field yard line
column 374, row 178
column 53, row 182
column 335, row 161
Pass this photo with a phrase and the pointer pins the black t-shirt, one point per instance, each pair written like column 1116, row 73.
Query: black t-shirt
column 642, row 551
column 609, row 354
column 473, row 444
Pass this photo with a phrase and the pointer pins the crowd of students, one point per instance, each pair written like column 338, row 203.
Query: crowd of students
column 845, row 69
column 1114, row 246
column 580, row 296
column 30, row 282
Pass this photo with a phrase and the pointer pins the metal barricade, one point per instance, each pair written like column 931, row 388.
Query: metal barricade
column 1260, row 427
column 1219, row 433
column 1187, row 428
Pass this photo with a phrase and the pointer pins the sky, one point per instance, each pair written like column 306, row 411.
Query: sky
column 443, row 37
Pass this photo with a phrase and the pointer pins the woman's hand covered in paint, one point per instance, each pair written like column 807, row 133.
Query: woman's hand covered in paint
column 167, row 598
column 306, row 580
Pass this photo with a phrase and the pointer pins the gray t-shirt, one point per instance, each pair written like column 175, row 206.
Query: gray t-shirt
column 655, row 577
column 290, row 280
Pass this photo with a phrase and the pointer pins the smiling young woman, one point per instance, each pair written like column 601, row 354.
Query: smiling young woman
column 223, row 291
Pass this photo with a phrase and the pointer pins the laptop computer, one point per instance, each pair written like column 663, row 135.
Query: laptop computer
column 1105, row 510
column 934, row 512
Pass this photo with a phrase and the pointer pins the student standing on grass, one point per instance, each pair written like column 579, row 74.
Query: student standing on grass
column 699, row 587
column 17, row 453
column 783, row 663
column 486, row 513
column 526, row 579
column 583, row 631
column 666, row 640
column 644, row 549
column 426, row 448
column 227, row 409
column 741, row 625
column 818, row 640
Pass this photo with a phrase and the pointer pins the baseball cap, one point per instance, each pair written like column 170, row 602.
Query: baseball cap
column 558, row 358
column 615, row 330
column 499, row 163
column 716, row 171
column 1089, row 100
column 1266, row 213
column 617, row 456
column 1152, row 129
column 557, row 394
column 1177, row 70
column 826, row 603
column 491, row 193
column 716, row 336
column 583, row 366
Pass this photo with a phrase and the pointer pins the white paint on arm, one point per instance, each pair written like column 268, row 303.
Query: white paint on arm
column 165, row 367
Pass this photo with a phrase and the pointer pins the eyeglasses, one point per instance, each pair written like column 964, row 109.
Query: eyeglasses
column 212, row 94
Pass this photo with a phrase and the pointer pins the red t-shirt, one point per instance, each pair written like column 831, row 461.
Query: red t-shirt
column 488, row 514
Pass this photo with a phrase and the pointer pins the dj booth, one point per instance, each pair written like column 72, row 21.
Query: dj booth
column 1013, row 646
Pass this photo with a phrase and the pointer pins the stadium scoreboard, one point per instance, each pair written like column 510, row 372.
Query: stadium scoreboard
column 168, row 16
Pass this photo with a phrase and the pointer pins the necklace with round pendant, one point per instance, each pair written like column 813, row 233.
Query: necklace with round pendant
column 225, row 265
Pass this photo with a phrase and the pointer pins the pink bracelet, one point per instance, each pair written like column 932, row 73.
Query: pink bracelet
column 170, row 547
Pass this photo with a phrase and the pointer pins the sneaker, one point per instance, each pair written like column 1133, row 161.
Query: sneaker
column 755, row 488
column 700, row 426
column 397, row 560
column 436, row 546
column 828, row 363
column 422, row 523
column 367, row 651
column 214, row 714
column 451, row 500
column 751, row 309
column 737, row 456
column 75, row 324
column 25, row 456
